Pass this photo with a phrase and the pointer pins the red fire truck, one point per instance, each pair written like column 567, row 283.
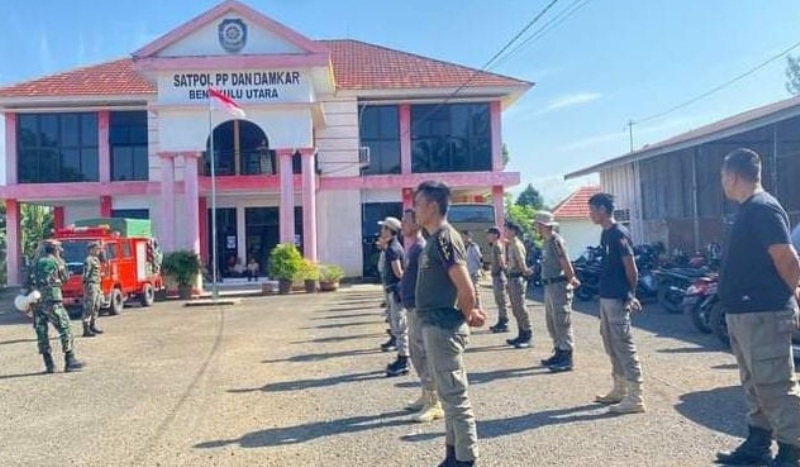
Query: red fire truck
column 128, row 270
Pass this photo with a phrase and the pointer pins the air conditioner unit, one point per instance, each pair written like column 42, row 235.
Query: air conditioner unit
column 363, row 156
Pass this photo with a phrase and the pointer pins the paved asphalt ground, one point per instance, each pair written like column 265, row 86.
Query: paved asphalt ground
column 298, row 381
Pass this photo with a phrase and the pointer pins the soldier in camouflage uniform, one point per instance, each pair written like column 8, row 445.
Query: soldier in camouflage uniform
column 91, row 291
column 50, row 275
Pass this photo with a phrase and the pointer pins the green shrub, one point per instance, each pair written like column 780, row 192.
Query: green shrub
column 183, row 265
column 285, row 261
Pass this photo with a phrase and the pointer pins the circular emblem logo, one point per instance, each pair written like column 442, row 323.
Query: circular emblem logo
column 232, row 35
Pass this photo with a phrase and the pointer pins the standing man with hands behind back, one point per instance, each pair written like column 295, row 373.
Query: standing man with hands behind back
column 758, row 287
column 618, row 280
column 446, row 305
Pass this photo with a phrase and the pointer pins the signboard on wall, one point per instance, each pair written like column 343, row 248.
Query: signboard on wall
column 253, row 86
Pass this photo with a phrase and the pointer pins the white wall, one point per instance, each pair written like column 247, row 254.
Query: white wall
column 77, row 211
column 3, row 156
column 621, row 182
column 339, row 230
column 393, row 195
column 579, row 234
column 187, row 130
column 205, row 41
column 338, row 142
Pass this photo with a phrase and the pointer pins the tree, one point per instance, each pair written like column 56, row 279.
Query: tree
column 521, row 215
column 506, row 156
column 530, row 196
column 37, row 223
column 793, row 75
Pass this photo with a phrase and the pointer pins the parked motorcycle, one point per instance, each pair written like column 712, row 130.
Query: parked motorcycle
column 672, row 286
column 587, row 269
column 646, row 257
column 700, row 298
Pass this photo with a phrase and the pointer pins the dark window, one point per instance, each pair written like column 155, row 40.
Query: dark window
column 111, row 251
column 126, row 250
column 131, row 213
column 127, row 137
column 451, row 138
column 380, row 132
column 59, row 147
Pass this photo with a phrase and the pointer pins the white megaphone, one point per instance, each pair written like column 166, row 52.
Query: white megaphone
column 23, row 302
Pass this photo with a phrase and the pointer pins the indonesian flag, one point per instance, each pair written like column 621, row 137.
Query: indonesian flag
column 227, row 103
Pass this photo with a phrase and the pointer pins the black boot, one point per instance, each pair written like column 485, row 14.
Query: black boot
column 95, row 329
column 49, row 365
column 788, row 456
column 516, row 339
column 525, row 340
column 87, row 331
column 755, row 450
column 390, row 345
column 449, row 457
column 501, row 326
column 552, row 359
column 71, row 363
column 564, row 363
column 398, row 368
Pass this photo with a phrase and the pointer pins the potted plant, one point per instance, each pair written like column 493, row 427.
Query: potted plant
column 184, row 267
column 329, row 277
column 285, row 261
column 309, row 274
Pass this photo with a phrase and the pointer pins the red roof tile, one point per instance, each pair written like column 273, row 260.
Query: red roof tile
column 110, row 78
column 356, row 65
column 359, row 65
column 576, row 205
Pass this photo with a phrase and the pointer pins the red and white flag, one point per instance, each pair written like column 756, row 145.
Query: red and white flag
column 227, row 103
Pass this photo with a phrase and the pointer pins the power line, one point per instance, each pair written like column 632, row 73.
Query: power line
column 562, row 16
column 488, row 64
column 720, row 87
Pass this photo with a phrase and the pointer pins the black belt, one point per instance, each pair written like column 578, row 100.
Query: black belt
column 498, row 274
column 554, row 280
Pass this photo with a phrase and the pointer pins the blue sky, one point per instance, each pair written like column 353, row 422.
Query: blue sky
column 612, row 61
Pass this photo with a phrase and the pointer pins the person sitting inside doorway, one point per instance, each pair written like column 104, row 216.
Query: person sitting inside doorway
column 252, row 270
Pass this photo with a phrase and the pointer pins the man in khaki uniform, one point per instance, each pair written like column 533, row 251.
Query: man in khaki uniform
column 91, row 290
column 499, row 282
column 558, row 279
column 758, row 285
column 446, row 305
column 517, row 286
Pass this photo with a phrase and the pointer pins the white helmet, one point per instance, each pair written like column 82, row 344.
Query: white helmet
column 23, row 302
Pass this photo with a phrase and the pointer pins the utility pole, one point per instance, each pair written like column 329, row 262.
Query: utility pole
column 630, row 132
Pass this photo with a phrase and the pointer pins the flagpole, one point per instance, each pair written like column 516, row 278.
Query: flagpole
column 215, row 288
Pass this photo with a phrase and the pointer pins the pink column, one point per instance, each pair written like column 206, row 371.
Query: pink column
column 309, row 205
column 202, row 219
column 103, row 146
column 167, row 221
column 287, row 196
column 58, row 217
column 11, row 149
column 499, row 206
column 105, row 206
column 408, row 198
column 405, row 139
column 497, row 136
column 190, row 218
column 13, row 243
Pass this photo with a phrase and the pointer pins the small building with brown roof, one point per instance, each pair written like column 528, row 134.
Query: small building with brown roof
column 574, row 224
column 336, row 135
column 671, row 190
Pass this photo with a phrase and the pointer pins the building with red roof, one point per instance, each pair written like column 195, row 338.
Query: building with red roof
column 572, row 215
column 336, row 135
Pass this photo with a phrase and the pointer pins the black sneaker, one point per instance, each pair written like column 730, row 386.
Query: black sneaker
column 552, row 359
column 525, row 340
column 499, row 328
column 562, row 364
column 514, row 341
column 390, row 345
column 398, row 368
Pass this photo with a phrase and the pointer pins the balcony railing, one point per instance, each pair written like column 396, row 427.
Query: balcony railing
column 250, row 163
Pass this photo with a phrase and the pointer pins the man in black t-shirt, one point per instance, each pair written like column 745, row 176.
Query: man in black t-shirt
column 394, row 259
column 758, row 286
column 617, row 301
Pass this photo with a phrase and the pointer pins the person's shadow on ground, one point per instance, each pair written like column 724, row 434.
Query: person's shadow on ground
column 303, row 384
column 721, row 409
column 310, row 431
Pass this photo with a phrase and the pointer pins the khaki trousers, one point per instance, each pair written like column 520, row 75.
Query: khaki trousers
column 516, row 294
column 419, row 358
column 499, row 287
column 445, row 349
column 398, row 323
column 762, row 343
column 615, row 327
column 558, row 313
